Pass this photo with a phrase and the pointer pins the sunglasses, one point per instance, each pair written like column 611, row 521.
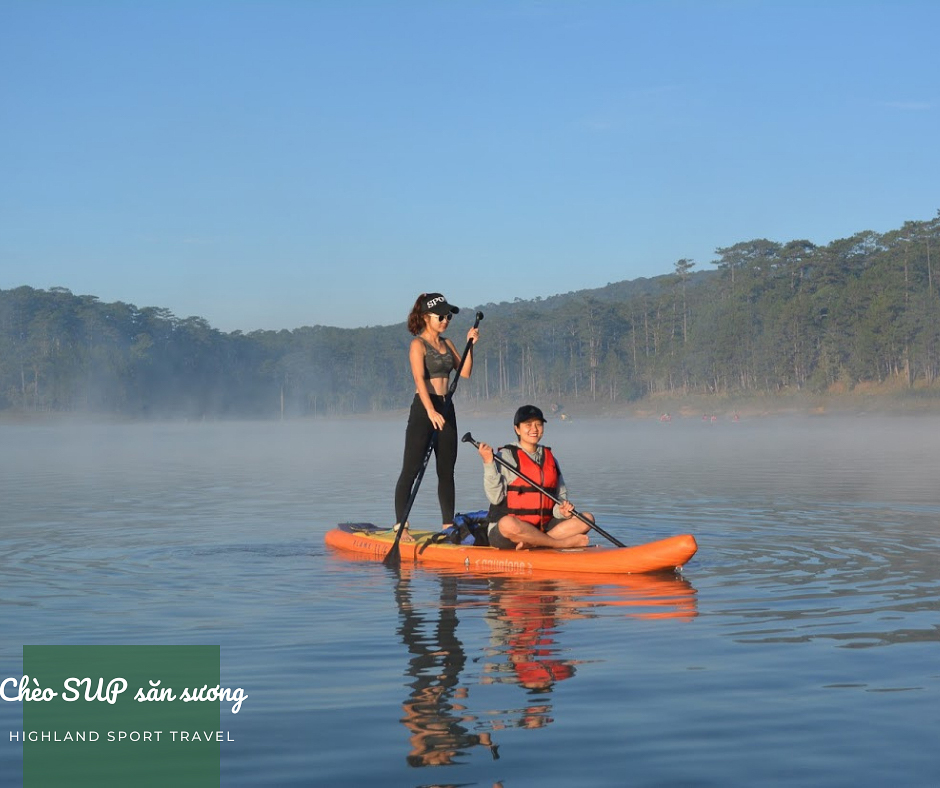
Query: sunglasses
column 443, row 318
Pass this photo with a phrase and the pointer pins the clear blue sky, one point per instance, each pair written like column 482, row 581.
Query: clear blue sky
column 277, row 164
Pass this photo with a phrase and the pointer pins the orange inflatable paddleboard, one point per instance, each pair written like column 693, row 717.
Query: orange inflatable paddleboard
column 369, row 541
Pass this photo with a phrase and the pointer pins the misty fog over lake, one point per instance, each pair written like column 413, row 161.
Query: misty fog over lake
column 800, row 645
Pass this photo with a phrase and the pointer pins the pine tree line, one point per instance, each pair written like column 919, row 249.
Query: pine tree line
column 769, row 318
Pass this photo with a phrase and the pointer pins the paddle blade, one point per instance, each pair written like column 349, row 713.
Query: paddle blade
column 393, row 556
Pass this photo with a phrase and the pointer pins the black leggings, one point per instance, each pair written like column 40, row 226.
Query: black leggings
column 417, row 434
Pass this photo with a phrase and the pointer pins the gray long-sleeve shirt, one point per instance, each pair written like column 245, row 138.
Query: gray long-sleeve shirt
column 496, row 478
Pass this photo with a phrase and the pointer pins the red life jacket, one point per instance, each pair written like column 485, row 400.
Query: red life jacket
column 523, row 500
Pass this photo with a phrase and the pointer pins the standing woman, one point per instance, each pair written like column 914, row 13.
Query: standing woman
column 432, row 357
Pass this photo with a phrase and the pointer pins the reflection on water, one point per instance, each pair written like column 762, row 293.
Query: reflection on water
column 524, row 619
column 433, row 714
column 525, row 616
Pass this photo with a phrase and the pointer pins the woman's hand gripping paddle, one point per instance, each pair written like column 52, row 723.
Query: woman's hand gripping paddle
column 468, row 438
column 393, row 557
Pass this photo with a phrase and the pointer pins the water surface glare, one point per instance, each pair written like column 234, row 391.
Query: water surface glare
column 800, row 646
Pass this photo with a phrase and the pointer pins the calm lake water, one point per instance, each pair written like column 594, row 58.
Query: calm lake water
column 801, row 646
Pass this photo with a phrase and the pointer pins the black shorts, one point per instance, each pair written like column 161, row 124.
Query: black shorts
column 498, row 540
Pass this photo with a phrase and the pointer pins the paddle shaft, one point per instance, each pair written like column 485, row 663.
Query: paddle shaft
column 468, row 438
column 394, row 555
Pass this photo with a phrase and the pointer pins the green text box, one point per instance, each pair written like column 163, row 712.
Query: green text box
column 91, row 741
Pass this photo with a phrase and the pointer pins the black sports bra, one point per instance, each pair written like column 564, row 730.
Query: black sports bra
column 437, row 365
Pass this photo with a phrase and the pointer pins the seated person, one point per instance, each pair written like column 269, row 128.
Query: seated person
column 521, row 516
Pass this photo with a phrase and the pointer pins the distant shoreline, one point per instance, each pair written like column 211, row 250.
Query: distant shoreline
column 914, row 402
column 799, row 404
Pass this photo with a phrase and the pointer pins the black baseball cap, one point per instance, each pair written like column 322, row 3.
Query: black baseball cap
column 527, row 413
column 436, row 303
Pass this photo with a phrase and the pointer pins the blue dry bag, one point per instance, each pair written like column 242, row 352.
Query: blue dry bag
column 468, row 529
